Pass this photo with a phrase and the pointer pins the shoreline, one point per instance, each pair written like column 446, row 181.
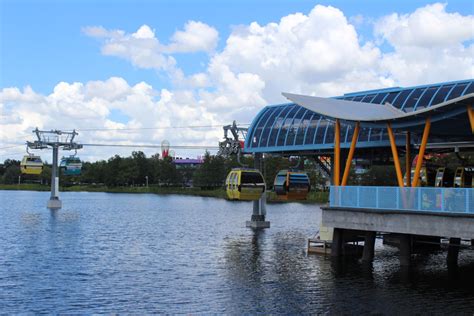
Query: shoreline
column 313, row 197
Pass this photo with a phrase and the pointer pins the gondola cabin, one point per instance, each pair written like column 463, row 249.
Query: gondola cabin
column 291, row 185
column 427, row 177
column 71, row 166
column 444, row 177
column 31, row 164
column 464, row 177
column 245, row 184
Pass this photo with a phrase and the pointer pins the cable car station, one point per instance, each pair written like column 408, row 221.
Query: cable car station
column 382, row 125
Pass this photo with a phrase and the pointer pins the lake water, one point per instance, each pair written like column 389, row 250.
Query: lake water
column 135, row 253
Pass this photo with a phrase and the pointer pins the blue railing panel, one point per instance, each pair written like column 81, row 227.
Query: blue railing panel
column 423, row 199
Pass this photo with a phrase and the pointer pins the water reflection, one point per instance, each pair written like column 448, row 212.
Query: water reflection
column 112, row 253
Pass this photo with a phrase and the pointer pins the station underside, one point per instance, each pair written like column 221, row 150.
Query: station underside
column 448, row 225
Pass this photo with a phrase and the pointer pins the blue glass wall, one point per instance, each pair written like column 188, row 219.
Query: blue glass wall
column 289, row 127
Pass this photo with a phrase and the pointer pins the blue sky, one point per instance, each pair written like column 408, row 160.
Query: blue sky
column 42, row 43
column 141, row 64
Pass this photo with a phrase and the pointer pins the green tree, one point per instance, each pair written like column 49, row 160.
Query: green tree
column 141, row 167
column 212, row 173
column 45, row 175
column 166, row 173
column 379, row 176
column 11, row 174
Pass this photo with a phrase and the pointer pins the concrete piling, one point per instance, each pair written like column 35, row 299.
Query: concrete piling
column 369, row 247
column 337, row 242
column 453, row 251
column 405, row 249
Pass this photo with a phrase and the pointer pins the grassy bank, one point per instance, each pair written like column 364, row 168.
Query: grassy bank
column 313, row 197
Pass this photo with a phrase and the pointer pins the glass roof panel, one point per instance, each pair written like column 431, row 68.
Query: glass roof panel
column 425, row 98
column 441, row 94
column 312, row 129
column 398, row 102
column 268, row 126
column 379, row 97
column 303, row 128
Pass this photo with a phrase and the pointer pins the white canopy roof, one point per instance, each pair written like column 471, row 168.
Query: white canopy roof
column 347, row 110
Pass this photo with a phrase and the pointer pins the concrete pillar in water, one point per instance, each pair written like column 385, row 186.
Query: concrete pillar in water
column 453, row 251
column 259, row 207
column 54, row 201
column 369, row 247
column 405, row 249
column 337, row 242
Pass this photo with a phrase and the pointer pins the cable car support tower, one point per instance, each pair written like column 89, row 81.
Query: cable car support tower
column 234, row 146
column 56, row 140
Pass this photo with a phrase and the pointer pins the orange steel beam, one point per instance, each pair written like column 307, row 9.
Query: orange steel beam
column 421, row 153
column 396, row 161
column 470, row 113
column 337, row 153
column 408, row 159
column 351, row 154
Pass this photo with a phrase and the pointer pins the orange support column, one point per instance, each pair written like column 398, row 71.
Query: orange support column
column 337, row 153
column 345, row 177
column 408, row 159
column 396, row 161
column 470, row 113
column 421, row 153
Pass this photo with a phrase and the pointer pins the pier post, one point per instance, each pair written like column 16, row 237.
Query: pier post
column 259, row 207
column 337, row 242
column 369, row 247
column 405, row 249
column 54, row 201
column 453, row 251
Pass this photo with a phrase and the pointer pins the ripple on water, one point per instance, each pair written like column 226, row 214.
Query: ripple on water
column 112, row 253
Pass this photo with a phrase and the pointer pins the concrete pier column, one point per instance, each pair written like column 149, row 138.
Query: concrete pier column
column 259, row 207
column 54, row 201
column 405, row 250
column 453, row 251
column 337, row 242
column 369, row 247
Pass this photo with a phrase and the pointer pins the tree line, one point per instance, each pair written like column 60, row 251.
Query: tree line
column 138, row 170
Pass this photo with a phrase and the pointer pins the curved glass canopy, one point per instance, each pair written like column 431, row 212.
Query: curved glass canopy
column 290, row 127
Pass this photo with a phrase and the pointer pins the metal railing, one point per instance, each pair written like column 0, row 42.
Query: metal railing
column 443, row 200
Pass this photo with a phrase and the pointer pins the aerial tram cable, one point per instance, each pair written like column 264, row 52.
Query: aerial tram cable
column 152, row 146
column 150, row 128
column 14, row 146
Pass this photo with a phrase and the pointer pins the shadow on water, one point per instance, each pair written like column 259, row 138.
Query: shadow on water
column 137, row 254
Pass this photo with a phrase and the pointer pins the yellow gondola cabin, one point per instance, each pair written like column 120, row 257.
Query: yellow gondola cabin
column 245, row 184
column 31, row 164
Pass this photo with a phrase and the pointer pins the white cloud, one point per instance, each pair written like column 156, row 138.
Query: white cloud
column 143, row 49
column 197, row 36
column 85, row 106
column 317, row 53
column 428, row 27
column 429, row 45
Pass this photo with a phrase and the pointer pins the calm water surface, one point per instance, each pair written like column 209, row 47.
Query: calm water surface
column 180, row 254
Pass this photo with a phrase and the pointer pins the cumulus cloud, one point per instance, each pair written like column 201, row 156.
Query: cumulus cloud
column 318, row 53
column 426, row 27
column 429, row 45
column 197, row 36
column 144, row 50
column 89, row 105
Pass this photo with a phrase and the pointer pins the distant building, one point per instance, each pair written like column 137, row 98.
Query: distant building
column 187, row 162
column 187, row 166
